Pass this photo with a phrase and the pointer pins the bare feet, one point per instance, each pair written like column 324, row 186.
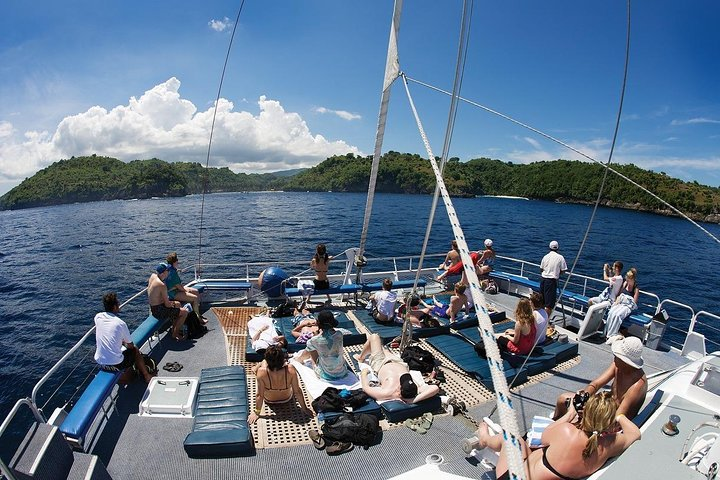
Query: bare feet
column 358, row 357
column 483, row 434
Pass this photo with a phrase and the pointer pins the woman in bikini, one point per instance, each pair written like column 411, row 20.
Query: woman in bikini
column 321, row 264
column 572, row 448
column 277, row 382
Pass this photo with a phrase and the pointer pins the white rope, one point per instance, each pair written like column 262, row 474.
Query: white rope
column 560, row 142
column 508, row 420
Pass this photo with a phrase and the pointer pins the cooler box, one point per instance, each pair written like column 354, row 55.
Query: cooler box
column 169, row 397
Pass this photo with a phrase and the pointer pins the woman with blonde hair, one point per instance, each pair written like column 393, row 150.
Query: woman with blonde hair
column 575, row 446
column 625, row 303
column 520, row 339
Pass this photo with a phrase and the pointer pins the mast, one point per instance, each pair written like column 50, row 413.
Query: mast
column 392, row 72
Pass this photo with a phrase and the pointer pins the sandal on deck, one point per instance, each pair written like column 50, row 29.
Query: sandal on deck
column 317, row 439
column 337, row 448
column 172, row 367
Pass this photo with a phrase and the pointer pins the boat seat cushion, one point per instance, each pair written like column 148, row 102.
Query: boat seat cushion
column 285, row 327
column 83, row 413
column 397, row 285
column 371, row 407
column 398, row 411
column 388, row 332
column 347, row 288
column 203, row 285
column 220, row 428
column 461, row 352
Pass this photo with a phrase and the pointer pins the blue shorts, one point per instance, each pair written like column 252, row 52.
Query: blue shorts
column 548, row 288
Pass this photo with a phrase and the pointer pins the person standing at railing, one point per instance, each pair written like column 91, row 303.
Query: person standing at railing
column 552, row 266
column 615, row 280
column 114, row 348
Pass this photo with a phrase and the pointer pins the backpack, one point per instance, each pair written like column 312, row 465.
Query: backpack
column 329, row 401
column 195, row 328
column 417, row 358
column 357, row 428
column 285, row 309
column 150, row 365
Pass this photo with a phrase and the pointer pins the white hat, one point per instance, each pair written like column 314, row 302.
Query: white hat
column 488, row 242
column 629, row 350
column 554, row 245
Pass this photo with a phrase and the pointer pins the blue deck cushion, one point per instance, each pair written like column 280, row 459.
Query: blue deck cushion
column 220, row 428
column 517, row 279
column 203, row 285
column 470, row 321
column 388, row 332
column 83, row 413
column 638, row 319
column 347, row 288
column 285, row 326
column 397, row 410
column 461, row 353
column 397, row 284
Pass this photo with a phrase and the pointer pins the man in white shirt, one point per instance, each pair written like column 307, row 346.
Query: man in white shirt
column 384, row 303
column 552, row 265
column 114, row 350
column 540, row 316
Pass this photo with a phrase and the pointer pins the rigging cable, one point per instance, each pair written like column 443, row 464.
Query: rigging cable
column 508, row 419
column 206, row 175
column 569, row 147
column 465, row 23
column 607, row 165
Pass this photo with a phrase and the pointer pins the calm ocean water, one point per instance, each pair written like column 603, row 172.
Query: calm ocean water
column 56, row 262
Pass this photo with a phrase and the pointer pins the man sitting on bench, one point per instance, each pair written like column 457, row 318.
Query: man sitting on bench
column 395, row 381
column 111, row 335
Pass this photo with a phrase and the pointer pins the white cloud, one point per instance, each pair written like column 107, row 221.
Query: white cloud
column 162, row 124
column 533, row 142
column 220, row 25
column 694, row 121
column 340, row 113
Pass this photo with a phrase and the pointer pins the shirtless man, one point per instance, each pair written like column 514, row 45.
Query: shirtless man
column 396, row 383
column 161, row 306
column 457, row 303
column 629, row 386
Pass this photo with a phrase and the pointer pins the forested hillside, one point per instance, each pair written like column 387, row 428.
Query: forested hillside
column 103, row 178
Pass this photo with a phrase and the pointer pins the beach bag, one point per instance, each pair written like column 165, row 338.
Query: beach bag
column 150, row 365
column 358, row 428
column 356, row 399
column 285, row 309
column 329, row 401
column 417, row 358
column 195, row 328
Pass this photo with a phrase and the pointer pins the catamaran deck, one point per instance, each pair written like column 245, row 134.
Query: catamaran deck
column 140, row 447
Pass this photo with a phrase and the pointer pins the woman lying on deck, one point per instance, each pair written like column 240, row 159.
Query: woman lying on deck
column 572, row 448
column 277, row 382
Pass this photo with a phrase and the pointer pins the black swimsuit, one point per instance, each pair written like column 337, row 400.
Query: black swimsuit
column 550, row 467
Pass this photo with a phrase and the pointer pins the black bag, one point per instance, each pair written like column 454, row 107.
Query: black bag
column 357, row 428
column 195, row 328
column 417, row 358
column 329, row 401
column 356, row 399
column 150, row 364
column 285, row 309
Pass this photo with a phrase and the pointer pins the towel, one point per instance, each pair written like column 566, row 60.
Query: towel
column 267, row 337
column 539, row 424
column 316, row 386
column 306, row 287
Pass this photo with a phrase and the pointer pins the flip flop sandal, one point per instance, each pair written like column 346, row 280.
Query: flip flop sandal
column 317, row 439
column 337, row 448
column 425, row 422
column 412, row 424
column 172, row 367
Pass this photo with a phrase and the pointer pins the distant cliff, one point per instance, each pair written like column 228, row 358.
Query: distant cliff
column 83, row 179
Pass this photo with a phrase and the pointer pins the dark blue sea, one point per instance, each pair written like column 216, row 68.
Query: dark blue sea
column 56, row 262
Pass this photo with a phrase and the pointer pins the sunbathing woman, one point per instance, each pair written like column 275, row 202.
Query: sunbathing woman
column 321, row 264
column 519, row 340
column 305, row 330
column 277, row 382
column 572, row 448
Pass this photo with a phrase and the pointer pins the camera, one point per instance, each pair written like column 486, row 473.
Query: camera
column 579, row 401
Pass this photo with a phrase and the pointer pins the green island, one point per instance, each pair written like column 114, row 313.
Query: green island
column 94, row 178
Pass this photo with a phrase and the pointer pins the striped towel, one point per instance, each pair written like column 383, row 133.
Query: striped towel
column 539, row 424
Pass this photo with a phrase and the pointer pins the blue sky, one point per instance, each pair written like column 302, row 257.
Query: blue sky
column 138, row 79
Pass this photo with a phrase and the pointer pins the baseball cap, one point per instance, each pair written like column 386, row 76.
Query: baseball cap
column 408, row 388
column 161, row 267
column 554, row 245
column 488, row 242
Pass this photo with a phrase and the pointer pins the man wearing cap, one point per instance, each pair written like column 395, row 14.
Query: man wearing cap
column 552, row 266
column 161, row 306
column 629, row 383
column 395, row 381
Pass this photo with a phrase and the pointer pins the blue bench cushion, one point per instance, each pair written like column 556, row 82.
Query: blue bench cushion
column 461, row 352
column 470, row 321
column 220, row 427
column 203, row 285
column 83, row 413
column 517, row 279
column 398, row 411
column 397, row 284
column 638, row 319
column 388, row 332
column 347, row 288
